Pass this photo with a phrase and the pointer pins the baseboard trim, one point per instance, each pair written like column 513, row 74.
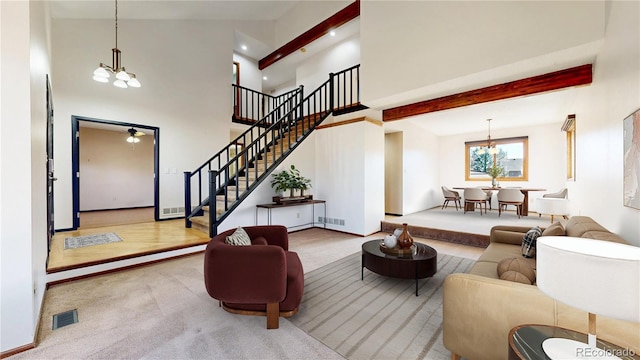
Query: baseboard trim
column 23, row 348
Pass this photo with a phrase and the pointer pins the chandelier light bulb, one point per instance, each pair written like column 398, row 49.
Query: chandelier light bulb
column 101, row 79
column 133, row 82
column 122, row 75
column 120, row 83
column 101, row 72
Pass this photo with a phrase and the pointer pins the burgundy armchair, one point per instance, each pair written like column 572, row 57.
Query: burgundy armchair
column 261, row 279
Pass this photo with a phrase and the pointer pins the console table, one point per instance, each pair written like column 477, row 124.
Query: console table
column 270, row 207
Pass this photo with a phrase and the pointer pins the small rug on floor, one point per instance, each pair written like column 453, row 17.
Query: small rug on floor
column 88, row 240
column 378, row 317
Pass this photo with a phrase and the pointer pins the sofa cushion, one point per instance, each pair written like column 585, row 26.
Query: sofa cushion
column 498, row 251
column 555, row 229
column 239, row 237
column 515, row 277
column 485, row 269
column 529, row 242
column 604, row 235
column 518, row 265
column 578, row 225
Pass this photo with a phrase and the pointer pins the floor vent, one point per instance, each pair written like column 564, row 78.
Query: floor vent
column 65, row 318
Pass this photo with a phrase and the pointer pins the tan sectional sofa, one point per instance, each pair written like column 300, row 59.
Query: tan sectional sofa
column 479, row 309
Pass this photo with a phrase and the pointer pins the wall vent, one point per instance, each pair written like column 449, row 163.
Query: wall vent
column 65, row 318
column 173, row 210
column 326, row 220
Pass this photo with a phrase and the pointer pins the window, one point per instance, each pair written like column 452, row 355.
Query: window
column 509, row 153
column 569, row 127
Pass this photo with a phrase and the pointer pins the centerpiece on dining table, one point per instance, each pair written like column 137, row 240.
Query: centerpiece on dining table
column 399, row 243
column 495, row 172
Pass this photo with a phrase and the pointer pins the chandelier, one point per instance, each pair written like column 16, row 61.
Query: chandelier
column 123, row 79
column 490, row 148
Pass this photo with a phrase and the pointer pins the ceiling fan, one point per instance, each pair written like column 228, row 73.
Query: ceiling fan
column 133, row 135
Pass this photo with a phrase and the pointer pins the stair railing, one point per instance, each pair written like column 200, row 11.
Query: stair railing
column 230, row 155
column 250, row 106
column 293, row 120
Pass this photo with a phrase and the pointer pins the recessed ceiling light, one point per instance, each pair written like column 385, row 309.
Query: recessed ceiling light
column 332, row 33
column 244, row 47
column 264, row 78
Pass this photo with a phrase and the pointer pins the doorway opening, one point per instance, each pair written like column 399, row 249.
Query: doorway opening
column 113, row 174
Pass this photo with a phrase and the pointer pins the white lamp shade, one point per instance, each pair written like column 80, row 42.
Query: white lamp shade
column 133, row 82
column 101, row 72
column 101, row 79
column 600, row 277
column 122, row 75
column 120, row 83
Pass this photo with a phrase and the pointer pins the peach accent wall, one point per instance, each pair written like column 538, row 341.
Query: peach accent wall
column 114, row 174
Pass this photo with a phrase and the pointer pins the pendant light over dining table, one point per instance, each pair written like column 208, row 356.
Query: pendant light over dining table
column 123, row 79
column 490, row 148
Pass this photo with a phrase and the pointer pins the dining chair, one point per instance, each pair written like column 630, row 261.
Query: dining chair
column 451, row 195
column 489, row 196
column 474, row 197
column 510, row 196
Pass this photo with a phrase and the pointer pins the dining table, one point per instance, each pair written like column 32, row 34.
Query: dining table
column 525, row 201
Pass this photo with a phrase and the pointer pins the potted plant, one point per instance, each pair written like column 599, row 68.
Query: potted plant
column 290, row 180
column 495, row 172
column 299, row 182
column 282, row 182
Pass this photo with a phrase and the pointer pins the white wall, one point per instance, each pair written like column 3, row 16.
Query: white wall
column 615, row 93
column 315, row 71
column 114, row 174
column 186, row 92
column 428, row 42
column 250, row 75
column 350, row 175
column 421, row 187
column 374, row 168
column 23, row 243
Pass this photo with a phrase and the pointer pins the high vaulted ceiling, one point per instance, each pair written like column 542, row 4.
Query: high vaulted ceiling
column 170, row 9
column 517, row 112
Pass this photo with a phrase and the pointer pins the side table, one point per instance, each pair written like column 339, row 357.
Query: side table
column 525, row 343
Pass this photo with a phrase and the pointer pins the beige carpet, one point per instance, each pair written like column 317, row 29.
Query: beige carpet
column 378, row 317
column 160, row 311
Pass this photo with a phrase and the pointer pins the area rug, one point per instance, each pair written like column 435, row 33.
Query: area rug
column 378, row 317
column 88, row 240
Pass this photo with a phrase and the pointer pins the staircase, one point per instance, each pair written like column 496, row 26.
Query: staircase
column 236, row 170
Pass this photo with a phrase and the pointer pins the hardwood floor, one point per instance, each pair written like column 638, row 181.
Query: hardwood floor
column 317, row 246
column 137, row 239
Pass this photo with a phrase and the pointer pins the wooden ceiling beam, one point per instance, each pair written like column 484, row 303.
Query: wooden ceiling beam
column 342, row 17
column 576, row 76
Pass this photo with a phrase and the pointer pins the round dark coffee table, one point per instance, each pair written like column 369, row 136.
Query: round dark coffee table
column 422, row 263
